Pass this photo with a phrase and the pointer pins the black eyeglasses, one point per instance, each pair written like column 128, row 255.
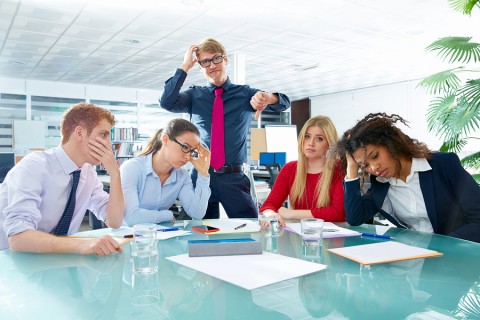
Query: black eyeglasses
column 186, row 149
column 216, row 60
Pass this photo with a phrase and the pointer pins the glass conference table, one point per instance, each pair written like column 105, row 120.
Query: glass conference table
column 67, row 286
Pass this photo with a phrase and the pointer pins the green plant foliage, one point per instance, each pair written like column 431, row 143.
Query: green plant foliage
column 454, row 111
column 472, row 161
column 463, row 6
column 441, row 82
column 456, row 49
column 471, row 92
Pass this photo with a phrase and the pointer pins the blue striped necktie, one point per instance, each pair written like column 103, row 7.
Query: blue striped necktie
column 64, row 223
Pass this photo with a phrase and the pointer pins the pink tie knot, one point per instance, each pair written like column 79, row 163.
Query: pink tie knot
column 218, row 92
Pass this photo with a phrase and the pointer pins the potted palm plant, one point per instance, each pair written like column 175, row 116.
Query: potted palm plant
column 454, row 111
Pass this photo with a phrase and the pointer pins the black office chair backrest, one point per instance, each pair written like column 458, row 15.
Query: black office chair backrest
column 3, row 173
column 273, row 170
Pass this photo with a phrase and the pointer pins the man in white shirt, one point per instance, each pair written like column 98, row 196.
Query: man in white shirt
column 34, row 195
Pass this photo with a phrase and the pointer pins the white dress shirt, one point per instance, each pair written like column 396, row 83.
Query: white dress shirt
column 405, row 201
column 34, row 194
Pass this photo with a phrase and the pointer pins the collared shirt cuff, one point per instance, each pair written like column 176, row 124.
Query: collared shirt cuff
column 203, row 182
column 164, row 215
column 353, row 179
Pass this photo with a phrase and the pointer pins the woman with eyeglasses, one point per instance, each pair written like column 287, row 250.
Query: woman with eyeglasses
column 153, row 181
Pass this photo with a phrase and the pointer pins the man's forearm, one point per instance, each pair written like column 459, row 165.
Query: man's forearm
column 116, row 203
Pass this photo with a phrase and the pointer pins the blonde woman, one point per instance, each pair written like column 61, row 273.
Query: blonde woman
column 313, row 184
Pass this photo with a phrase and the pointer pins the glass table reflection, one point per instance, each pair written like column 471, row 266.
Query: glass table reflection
column 41, row 286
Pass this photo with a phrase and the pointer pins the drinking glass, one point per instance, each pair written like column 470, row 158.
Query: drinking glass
column 144, row 250
column 312, row 231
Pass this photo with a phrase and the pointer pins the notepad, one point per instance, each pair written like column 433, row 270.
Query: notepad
column 330, row 230
column 384, row 252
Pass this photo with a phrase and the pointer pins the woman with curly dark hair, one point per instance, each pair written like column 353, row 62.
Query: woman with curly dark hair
column 411, row 186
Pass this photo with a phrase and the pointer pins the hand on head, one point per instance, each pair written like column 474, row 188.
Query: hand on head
column 202, row 163
column 189, row 60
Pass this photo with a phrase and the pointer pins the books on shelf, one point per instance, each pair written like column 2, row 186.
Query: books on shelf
column 124, row 134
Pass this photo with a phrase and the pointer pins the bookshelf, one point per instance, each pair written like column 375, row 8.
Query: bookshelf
column 125, row 143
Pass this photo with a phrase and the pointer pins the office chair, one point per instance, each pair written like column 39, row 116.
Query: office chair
column 3, row 173
column 273, row 170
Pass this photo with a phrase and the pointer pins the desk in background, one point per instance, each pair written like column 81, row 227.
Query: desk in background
column 90, row 287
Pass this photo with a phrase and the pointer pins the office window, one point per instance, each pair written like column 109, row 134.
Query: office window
column 12, row 107
column 151, row 118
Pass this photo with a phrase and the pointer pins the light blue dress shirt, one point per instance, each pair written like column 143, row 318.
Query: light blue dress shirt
column 147, row 200
column 34, row 194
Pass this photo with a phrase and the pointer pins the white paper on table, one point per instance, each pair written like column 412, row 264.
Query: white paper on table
column 229, row 225
column 383, row 252
column 171, row 234
column 330, row 230
column 250, row 271
column 124, row 231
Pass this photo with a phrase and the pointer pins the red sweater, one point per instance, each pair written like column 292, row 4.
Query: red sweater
column 335, row 212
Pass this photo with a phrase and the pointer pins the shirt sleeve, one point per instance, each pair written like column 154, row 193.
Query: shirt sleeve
column 99, row 199
column 335, row 212
column 24, row 194
column 172, row 100
column 195, row 202
column 131, row 175
column 282, row 104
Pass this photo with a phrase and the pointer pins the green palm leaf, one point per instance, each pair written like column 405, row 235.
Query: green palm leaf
column 472, row 161
column 455, row 145
column 438, row 113
column 464, row 118
column 463, row 6
column 441, row 82
column 456, row 49
column 471, row 92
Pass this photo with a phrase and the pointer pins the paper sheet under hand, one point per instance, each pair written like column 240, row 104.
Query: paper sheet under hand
column 171, row 234
column 330, row 230
column 250, row 271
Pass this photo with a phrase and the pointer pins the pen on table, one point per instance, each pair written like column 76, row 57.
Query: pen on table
column 168, row 229
column 241, row 226
column 330, row 230
column 373, row 235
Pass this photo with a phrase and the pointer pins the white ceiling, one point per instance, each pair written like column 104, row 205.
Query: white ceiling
column 350, row 43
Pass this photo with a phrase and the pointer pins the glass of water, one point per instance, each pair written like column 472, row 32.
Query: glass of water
column 269, row 224
column 312, row 231
column 144, row 250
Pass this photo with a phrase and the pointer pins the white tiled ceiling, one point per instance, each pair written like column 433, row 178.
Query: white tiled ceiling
column 300, row 47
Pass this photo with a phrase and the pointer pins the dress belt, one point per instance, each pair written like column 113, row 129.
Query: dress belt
column 233, row 168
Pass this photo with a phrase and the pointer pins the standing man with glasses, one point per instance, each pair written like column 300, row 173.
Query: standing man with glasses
column 223, row 112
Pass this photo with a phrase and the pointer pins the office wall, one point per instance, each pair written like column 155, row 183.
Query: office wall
column 346, row 108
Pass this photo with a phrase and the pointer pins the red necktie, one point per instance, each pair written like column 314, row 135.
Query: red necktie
column 217, row 147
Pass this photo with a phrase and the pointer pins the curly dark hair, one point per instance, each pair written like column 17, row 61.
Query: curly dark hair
column 379, row 129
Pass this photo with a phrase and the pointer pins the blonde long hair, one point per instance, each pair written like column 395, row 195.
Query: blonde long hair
column 322, row 191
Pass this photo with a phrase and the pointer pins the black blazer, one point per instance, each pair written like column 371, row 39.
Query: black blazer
column 452, row 199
